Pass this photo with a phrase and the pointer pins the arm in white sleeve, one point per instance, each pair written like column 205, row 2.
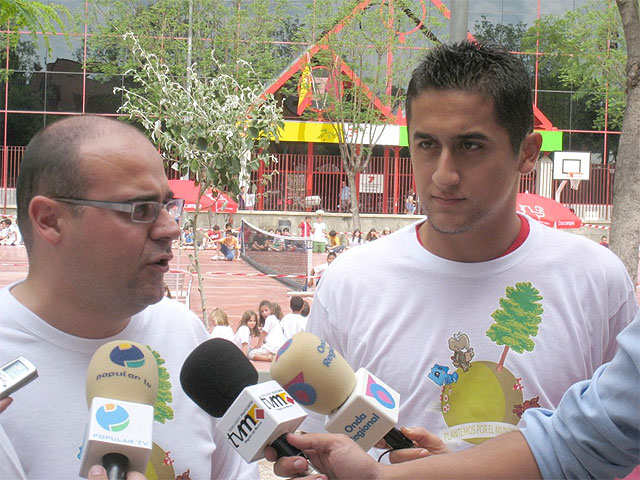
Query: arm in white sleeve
column 594, row 433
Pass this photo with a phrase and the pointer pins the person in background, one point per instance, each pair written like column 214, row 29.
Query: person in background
column 334, row 244
column 250, row 198
column 306, row 308
column 211, row 236
column 604, row 241
column 228, row 246
column 219, row 325
column 304, row 228
column 247, row 331
column 318, row 270
column 319, row 233
column 242, row 198
column 345, row 197
column 356, row 238
column 386, row 231
column 271, row 337
column 98, row 219
column 371, row 236
column 293, row 322
column 410, row 204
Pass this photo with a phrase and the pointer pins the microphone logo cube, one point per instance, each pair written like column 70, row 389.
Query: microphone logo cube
column 116, row 426
column 259, row 415
column 369, row 413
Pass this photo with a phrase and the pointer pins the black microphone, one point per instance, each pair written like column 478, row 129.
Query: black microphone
column 220, row 379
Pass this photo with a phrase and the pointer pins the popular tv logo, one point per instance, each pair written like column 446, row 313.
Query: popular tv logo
column 381, row 394
column 302, row 392
column 112, row 417
column 242, row 431
column 127, row 355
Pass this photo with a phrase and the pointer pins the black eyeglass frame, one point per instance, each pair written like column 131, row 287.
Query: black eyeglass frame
column 130, row 207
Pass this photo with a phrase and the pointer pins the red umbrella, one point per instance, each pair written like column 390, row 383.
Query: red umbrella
column 547, row 211
column 216, row 200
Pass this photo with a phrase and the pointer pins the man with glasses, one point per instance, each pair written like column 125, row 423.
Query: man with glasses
column 98, row 219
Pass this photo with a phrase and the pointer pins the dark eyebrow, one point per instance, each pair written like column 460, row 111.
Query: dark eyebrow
column 473, row 136
column 422, row 136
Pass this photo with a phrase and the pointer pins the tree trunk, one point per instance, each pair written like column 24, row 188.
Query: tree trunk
column 502, row 358
column 355, row 204
column 625, row 224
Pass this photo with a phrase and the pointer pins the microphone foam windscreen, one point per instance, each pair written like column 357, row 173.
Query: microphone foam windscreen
column 215, row 373
column 123, row 370
column 313, row 373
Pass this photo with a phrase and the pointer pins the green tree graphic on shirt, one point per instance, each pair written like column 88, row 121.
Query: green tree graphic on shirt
column 162, row 410
column 517, row 320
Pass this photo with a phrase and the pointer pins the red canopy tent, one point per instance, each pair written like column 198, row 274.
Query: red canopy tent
column 547, row 211
column 214, row 200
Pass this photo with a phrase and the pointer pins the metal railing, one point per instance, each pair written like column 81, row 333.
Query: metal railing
column 302, row 182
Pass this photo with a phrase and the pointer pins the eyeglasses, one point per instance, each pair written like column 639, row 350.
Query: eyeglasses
column 141, row 212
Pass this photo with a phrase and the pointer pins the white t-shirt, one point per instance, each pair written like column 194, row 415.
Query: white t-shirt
column 243, row 335
column 317, row 232
column 436, row 330
column 222, row 331
column 292, row 323
column 47, row 419
column 275, row 337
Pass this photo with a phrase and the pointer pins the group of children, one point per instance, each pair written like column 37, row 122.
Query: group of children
column 260, row 335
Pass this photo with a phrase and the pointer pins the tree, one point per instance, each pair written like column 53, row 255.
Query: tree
column 355, row 75
column 596, row 50
column 517, row 320
column 32, row 16
column 211, row 128
column 626, row 192
column 585, row 49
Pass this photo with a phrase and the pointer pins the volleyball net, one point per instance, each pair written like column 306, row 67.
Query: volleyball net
column 288, row 258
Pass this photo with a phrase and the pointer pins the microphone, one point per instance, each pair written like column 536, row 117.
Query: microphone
column 220, row 379
column 358, row 404
column 121, row 389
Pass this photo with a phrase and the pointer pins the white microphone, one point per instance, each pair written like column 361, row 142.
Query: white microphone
column 122, row 385
column 359, row 404
column 222, row 381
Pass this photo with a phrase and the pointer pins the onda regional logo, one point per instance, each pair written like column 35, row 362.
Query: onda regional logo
column 112, row 417
column 379, row 393
column 127, row 355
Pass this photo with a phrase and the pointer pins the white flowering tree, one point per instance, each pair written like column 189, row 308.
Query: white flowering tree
column 210, row 128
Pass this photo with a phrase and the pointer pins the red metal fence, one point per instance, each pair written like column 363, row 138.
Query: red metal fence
column 300, row 182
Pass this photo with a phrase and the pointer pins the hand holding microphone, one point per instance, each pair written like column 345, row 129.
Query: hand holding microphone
column 357, row 404
column 122, row 385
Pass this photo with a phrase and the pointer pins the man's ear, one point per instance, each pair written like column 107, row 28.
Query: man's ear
column 46, row 217
column 529, row 152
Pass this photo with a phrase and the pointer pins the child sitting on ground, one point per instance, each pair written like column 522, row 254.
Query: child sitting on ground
column 271, row 337
column 247, row 331
column 219, row 325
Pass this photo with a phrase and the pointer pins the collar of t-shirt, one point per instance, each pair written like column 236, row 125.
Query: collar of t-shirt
column 522, row 236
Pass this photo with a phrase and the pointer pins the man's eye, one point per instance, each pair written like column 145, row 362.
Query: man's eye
column 470, row 146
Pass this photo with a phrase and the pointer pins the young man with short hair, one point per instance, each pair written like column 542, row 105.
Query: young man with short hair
column 476, row 312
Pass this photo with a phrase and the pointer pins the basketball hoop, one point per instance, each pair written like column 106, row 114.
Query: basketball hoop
column 574, row 180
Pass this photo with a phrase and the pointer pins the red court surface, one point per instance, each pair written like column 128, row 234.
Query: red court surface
column 232, row 286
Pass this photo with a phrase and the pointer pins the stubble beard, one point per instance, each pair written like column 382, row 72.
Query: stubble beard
column 472, row 221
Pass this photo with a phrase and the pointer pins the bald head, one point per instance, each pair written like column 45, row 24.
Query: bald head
column 50, row 165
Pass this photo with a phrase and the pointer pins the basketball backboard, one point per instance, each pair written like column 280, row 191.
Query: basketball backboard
column 571, row 165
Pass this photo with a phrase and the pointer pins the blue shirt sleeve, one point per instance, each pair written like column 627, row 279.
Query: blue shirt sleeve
column 594, row 433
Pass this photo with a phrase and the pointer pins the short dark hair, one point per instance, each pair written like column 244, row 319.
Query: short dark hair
column 50, row 163
column 479, row 68
column 296, row 304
